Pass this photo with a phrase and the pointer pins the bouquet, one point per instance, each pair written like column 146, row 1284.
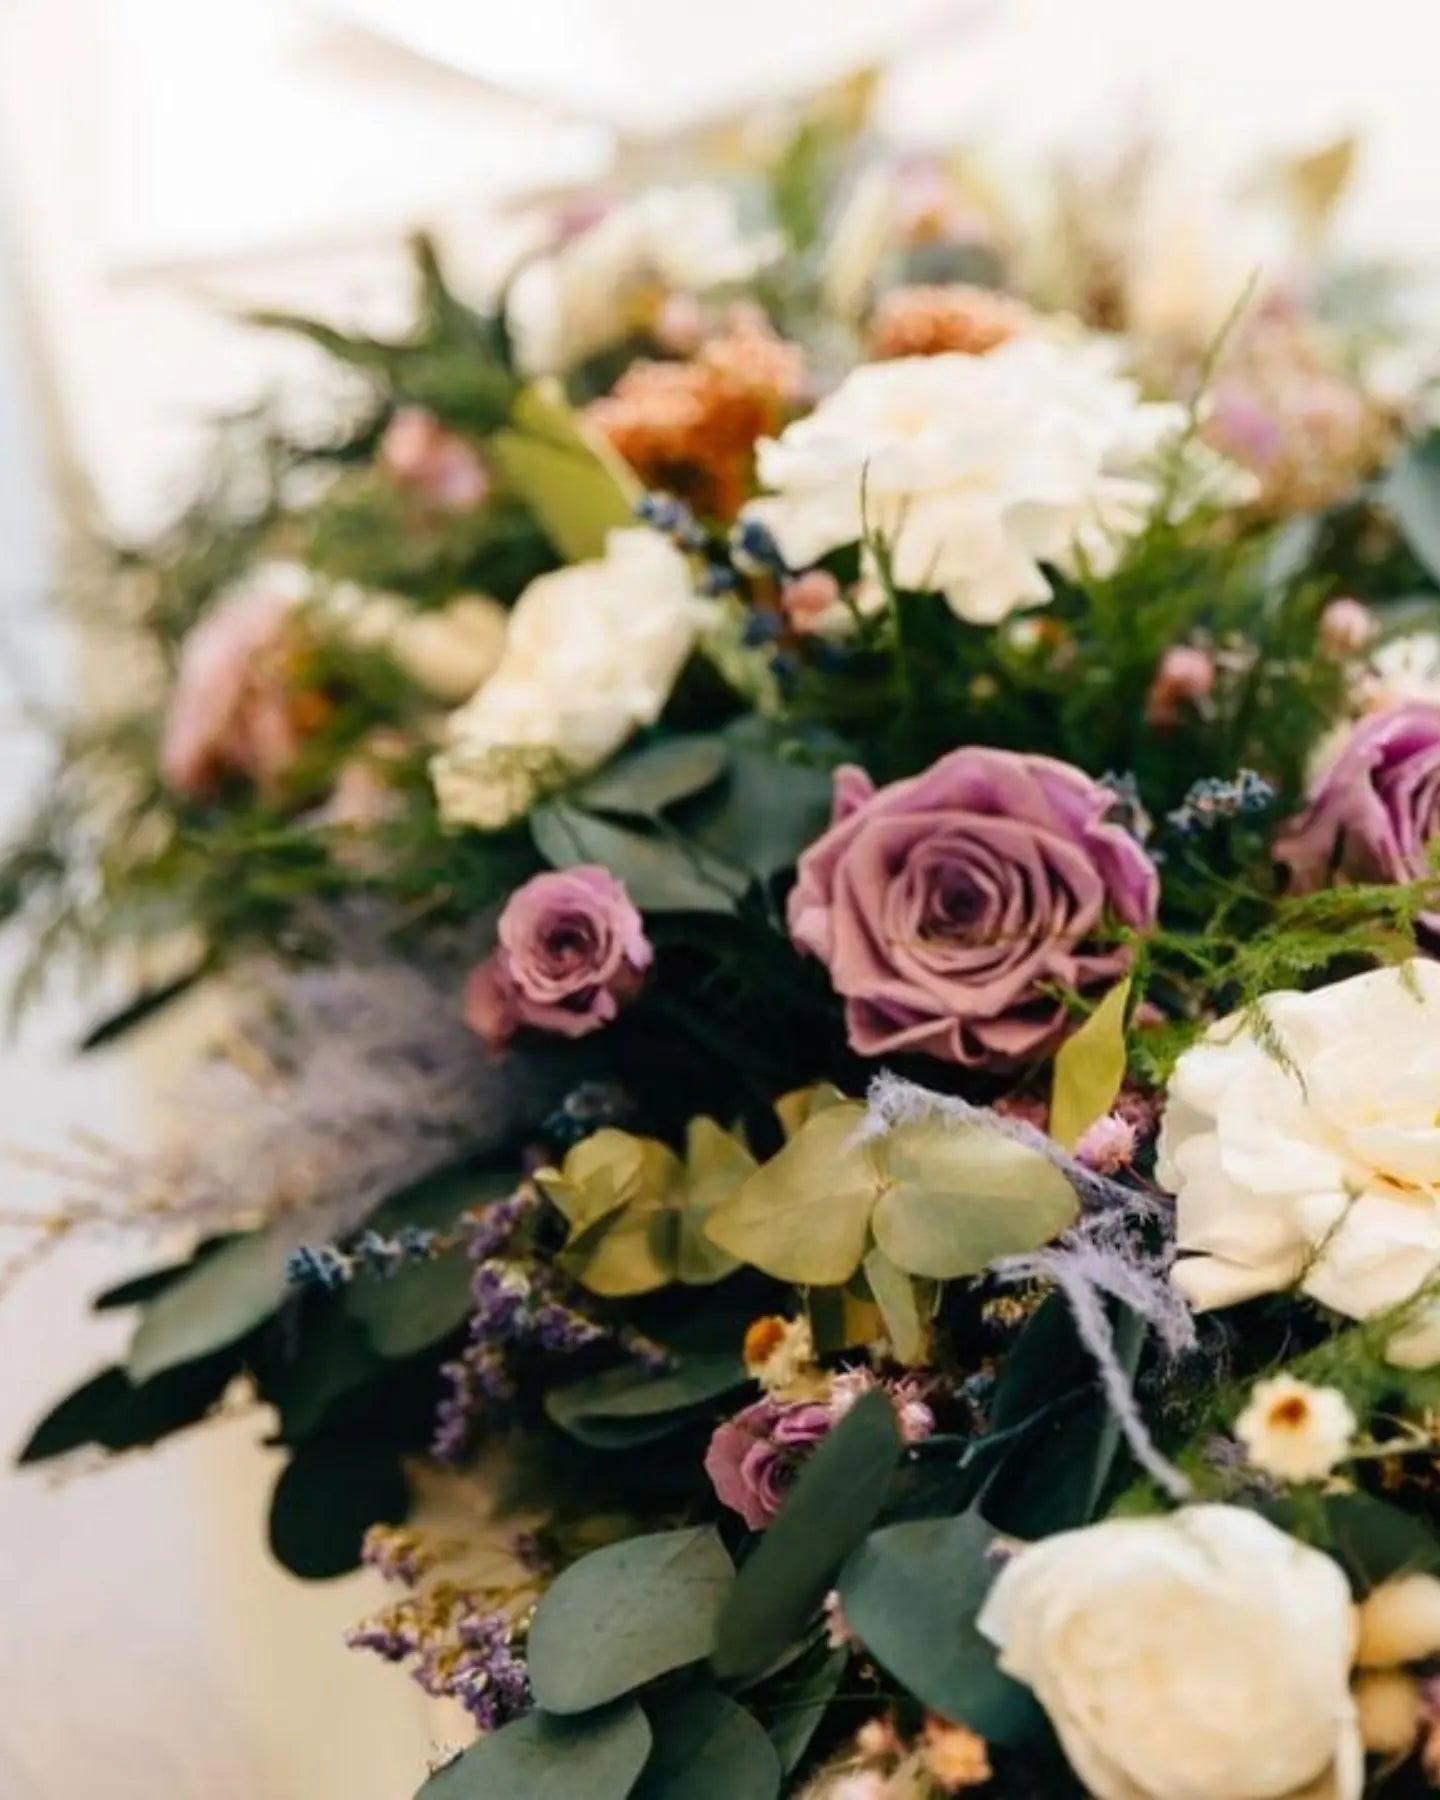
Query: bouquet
column 819, row 824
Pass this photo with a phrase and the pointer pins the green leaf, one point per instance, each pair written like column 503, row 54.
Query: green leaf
column 222, row 1299
column 626, row 1614
column 894, row 1293
column 626, row 1406
column 770, row 809
column 114, row 1413
column 1412, row 492
column 804, row 1216
column 140, row 1288
column 911, row 1594
column 328, row 1496
column 707, row 1747
column 834, row 1503
column 573, row 482
column 331, row 1358
column 1372, row 1540
column 597, row 1757
column 661, row 873
column 1090, row 1069
column 646, row 781
column 416, row 1306
column 717, row 1165
column 800, row 1702
column 963, row 1195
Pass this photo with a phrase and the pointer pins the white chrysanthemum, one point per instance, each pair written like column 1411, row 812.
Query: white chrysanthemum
column 591, row 655
column 976, row 469
column 1200, row 1656
column 1312, row 1160
column 1294, row 1431
column 580, row 300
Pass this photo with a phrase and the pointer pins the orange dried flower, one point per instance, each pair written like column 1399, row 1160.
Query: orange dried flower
column 933, row 321
column 690, row 428
column 954, row 1756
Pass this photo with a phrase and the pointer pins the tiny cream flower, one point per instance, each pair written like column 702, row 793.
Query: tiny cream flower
column 1294, row 1431
column 778, row 1351
column 1400, row 1622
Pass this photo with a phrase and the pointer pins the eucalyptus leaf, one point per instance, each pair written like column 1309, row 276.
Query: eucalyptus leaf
column 415, row 1306
column 770, row 809
column 835, row 1501
column 628, row 1406
column 115, row 1413
column 597, row 1757
column 223, row 1298
column 330, row 1358
column 626, row 1614
column 895, row 1295
column 645, row 782
column 661, row 873
column 1090, row 1069
column 804, row 1216
column 911, row 1594
column 1411, row 490
column 571, row 479
column 801, row 1700
column 328, row 1496
column 963, row 1195
column 708, row 1747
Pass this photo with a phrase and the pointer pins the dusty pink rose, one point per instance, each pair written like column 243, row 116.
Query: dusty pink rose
column 951, row 907
column 572, row 952
column 418, row 452
column 237, row 708
column 1347, row 626
column 1375, row 809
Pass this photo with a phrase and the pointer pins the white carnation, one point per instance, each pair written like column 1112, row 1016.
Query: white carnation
column 592, row 654
column 1313, row 1160
column 1201, row 1656
column 977, row 469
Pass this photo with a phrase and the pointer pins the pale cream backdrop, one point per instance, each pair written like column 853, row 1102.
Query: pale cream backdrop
column 159, row 154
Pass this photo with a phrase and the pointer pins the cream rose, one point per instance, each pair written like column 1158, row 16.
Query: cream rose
column 1201, row 1656
column 978, row 469
column 592, row 654
column 1313, row 1161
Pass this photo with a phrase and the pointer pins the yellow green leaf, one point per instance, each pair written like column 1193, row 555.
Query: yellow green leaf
column 961, row 1195
column 899, row 1306
column 573, row 482
column 717, row 1165
column 800, row 1104
column 1089, row 1070
column 804, row 1216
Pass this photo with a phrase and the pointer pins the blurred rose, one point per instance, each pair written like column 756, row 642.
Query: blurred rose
column 418, row 452
column 238, row 705
column 953, row 909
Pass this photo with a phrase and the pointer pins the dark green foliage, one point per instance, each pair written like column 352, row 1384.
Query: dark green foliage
column 791, row 1568
column 328, row 1496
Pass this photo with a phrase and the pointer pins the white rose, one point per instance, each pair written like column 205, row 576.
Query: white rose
column 977, row 469
column 570, row 305
column 1314, row 1160
column 592, row 653
column 1201, row 1656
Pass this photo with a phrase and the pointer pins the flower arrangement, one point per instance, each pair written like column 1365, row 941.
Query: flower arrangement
column 826, row 867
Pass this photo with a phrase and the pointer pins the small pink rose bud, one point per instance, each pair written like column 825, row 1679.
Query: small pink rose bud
column 1184, row 680
column 1346, row 627
column 812, row 602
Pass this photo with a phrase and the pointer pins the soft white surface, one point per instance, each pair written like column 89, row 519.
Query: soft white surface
column 147, row 1649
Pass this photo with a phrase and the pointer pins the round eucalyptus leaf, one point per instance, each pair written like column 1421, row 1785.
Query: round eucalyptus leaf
column 544, row 1758
column 626, row 1614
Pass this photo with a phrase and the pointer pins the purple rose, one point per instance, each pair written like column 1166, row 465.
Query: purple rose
column 572, row 951
column 1375, row 808
column 754, row 1458
column 949, row 908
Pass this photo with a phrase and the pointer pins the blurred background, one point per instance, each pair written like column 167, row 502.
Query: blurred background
column 164, row 163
